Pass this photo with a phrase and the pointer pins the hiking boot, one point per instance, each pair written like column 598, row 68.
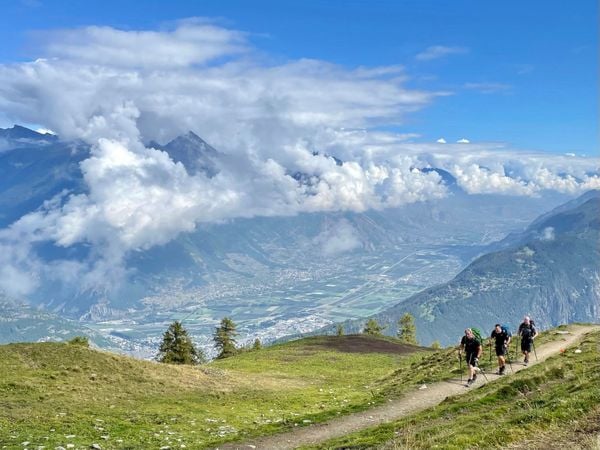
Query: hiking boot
column 526, row 360
column 469, row 382
column 474, row 377
column 501, row 371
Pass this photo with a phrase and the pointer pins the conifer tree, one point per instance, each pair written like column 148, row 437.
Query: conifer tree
column 407, row 330
column 177, row 347
column 339, row 331
column 373, row 328
column 257, row 345
column 225, row 338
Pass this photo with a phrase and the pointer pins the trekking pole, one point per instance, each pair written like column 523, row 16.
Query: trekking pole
column 483, row 373
column 509, row 360
column 490, row 348
column 534, row 352
column 460, row 365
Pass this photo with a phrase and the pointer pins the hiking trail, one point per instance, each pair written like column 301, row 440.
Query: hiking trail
column 413, row 401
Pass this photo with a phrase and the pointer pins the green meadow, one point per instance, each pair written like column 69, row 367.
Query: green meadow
column 68, row 395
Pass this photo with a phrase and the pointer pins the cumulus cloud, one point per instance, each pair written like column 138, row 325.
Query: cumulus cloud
column 338, row 238
column 44, row 131
column 192, row 42
column 548, row 234
column 463, row 141
column 441, row 141
column 481, row 180
column 275, row 125
column 439, row 51
column 234, row 104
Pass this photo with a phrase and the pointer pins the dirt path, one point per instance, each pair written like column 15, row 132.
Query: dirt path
column 412, row 402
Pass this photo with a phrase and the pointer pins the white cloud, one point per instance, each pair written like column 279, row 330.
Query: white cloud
column 234, row 105
column 463, row 141
column 339, row 237
column 441, row 141
column 479, row 180
column 439, row 51
column 191, row 42
column 44, row 131
column 117, row 89
column 548, row 234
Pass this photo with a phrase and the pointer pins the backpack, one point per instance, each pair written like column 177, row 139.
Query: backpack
column 527, row 332
column 477, row 334
column 506, row 330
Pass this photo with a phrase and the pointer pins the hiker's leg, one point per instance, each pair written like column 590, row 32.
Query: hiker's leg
column 468, row 360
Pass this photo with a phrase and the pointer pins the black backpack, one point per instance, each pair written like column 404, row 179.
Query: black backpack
column 527, row 332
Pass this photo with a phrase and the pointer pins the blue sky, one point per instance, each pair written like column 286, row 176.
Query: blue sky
column 519, row 72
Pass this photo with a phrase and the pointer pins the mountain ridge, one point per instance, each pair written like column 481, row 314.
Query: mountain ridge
column 555, row 278
column 275, row 275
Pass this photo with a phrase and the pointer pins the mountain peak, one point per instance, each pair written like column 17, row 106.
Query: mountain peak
column 193, row 136
column 194, row 153
column 18, row 132
column 191, row 142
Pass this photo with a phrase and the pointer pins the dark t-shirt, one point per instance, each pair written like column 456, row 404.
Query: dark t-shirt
column 501, row 338
column 471, row 345
column 527, row 332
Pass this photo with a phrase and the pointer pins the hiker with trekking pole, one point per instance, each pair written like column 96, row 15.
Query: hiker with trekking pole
column 527, row 333
column 473, row 349
column 501, row 335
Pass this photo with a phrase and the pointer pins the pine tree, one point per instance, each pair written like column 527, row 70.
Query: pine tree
column 257, row 345
column 407, row 330
column 373, row 328
column 225, row 338
column 177, row 347
column 339, row 331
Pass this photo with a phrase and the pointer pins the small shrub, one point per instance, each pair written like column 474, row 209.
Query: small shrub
column 80, row 340
column 507, row 392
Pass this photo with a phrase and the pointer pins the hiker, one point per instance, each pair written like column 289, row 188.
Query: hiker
column 502, row 337
column 527, row 332
column 472, row 347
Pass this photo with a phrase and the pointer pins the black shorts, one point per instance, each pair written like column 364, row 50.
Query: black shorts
column 470, row 358
column 501, row 351
column 526, row 345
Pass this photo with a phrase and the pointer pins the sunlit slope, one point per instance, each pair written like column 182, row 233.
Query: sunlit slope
column 54, row 394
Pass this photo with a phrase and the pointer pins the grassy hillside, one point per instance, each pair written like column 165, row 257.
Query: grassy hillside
column 551, row 405
column 55, row 394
